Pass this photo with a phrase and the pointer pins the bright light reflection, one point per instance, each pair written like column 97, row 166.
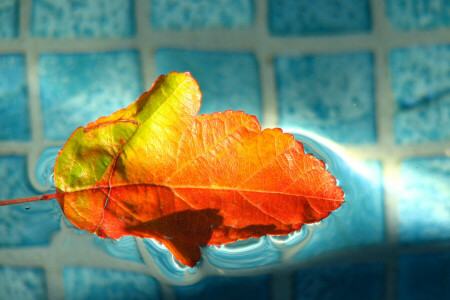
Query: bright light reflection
column 353, row 163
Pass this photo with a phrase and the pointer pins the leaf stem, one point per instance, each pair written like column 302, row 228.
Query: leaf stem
column 28, row 199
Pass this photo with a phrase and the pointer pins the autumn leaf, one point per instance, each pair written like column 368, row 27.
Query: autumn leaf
column 157, row 170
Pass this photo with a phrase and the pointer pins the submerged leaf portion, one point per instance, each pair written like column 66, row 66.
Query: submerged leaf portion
column 156, row 169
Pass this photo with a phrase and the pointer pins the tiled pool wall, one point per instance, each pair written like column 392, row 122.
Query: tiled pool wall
column 371, row 76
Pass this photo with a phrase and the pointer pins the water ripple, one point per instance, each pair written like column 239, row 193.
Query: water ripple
column 246, row 254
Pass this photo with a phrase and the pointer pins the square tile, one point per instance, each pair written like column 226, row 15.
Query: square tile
column 424, row 200
column 257, row 287
column 79, row 88
column 424, row 276
column 83, row 18
column 86, row 283
column 420, row 79
column 364, row 281
column 14, row 114
column 320, row 17
column 22, row 283
column 9, row 19
column 359, row 222
column 201, row 14
column 328, row 95
column 227, row 80
column 25, row 224
column 418, row 15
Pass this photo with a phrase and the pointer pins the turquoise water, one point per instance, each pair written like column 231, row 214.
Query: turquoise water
column 358, row 222
column 371, row 76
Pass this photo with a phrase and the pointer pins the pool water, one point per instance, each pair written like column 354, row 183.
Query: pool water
column 363, row 85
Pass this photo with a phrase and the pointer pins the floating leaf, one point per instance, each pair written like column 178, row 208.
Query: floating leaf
column 157, row 170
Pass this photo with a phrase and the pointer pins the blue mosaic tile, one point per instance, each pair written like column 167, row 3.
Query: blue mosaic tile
column 359, row 222
column 227, row 80
column 201, row 14
column 92, row 284
column 321, row 17
column 13, row 98
column 420, row 79
column 83, row 18
column 418, row 15
column 25, row 224
column 9, row 19
column 365, row 281
column 22, row 283
column 423, row 204
column 257, row 287
column 424, row 276
column 329, row 95
column 78, row 88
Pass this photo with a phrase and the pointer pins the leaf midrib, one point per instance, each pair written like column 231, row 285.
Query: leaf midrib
column 202, row 188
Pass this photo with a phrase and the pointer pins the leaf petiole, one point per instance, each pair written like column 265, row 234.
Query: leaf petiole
column 28, row 199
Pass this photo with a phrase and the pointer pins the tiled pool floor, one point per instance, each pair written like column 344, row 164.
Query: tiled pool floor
column 369, row 79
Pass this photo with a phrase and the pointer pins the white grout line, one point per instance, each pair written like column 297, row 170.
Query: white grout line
column 54, row 279
column 69, row 255
column 232, row 40
column 145, row 43
column 265, row 62
column 391, row 179
column 384, row 105
column 15, row 148
column 35, row 116
column 380, row 150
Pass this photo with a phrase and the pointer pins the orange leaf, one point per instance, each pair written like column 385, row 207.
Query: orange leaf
column 156, row 169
